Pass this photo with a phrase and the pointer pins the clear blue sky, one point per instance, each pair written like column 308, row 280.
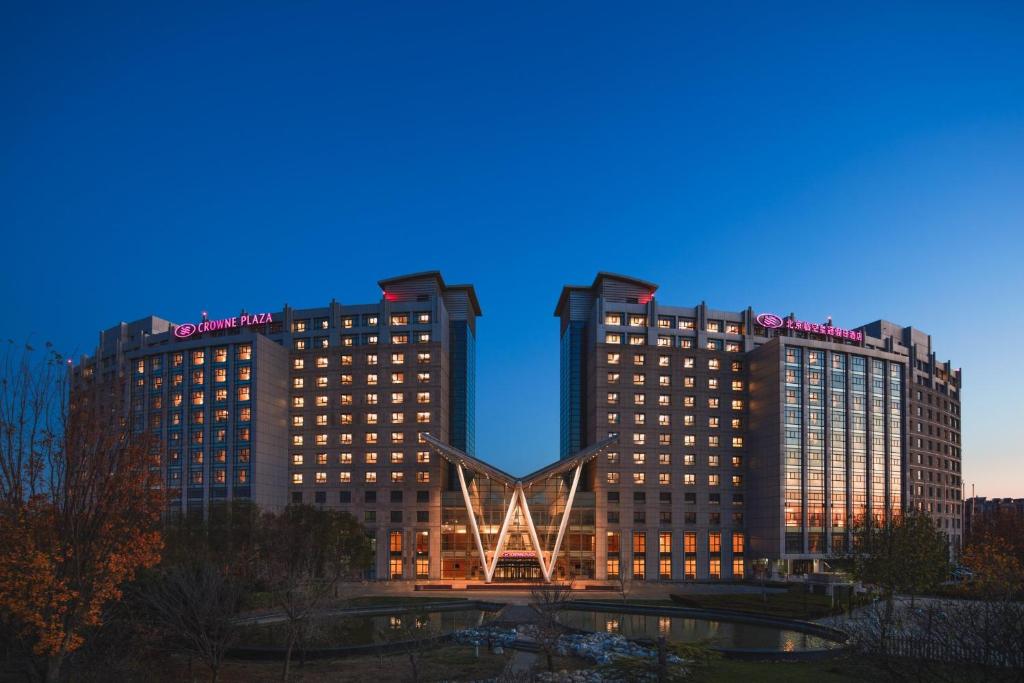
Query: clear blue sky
column 859, row 161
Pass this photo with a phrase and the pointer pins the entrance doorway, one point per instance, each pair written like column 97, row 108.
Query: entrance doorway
column 517, row 567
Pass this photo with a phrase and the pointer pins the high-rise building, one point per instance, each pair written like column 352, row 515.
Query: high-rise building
column 695, row 443
column 933, row 456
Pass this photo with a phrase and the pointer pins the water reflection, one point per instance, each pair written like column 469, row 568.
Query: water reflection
column 687, row 630
column 340, row 631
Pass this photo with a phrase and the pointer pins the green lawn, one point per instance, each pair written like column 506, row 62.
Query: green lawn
column 398, row 600
column 794, row 603
column 829, row 671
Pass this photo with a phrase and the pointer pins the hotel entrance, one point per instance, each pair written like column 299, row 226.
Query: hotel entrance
column 517, row 567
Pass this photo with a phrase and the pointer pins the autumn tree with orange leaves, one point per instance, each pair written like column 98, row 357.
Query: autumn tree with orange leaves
column 79, row 505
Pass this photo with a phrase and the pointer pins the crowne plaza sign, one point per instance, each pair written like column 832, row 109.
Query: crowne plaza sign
column 186, row 330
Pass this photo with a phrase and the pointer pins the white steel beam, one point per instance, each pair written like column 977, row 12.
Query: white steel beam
column 533, row 530
column 565, row 521
column 490, row 567
column 472, row 519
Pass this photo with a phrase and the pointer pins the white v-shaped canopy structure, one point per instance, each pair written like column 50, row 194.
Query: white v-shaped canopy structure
column 518, row 507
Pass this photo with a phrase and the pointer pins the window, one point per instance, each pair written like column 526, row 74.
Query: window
column 664, row 478
column 638, row 477
column 613, row 478
column 296, row 478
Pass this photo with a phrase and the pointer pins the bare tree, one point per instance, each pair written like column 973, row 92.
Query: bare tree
column 623, row 585
column 550, row 599
column 411, row 634
column 305, row 554
column 79, row 503
column 193, row 608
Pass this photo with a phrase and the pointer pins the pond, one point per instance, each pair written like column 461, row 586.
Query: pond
column 341, row 631
column 719, row 634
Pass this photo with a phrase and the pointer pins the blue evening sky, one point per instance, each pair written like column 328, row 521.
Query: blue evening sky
column 859, row 160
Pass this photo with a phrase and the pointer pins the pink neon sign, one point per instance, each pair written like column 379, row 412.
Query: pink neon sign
column 186, row 330
column 772, row 321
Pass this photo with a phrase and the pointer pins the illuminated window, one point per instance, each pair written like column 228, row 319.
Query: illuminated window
column 422, row 457
column 737, row 442
column 397, row 477
column 298, row 364
column 613, row 359
column 664, row 478
column 397, row 377
column 638, row 477
column 613, row 477
column 321, row 477
column 423, row 357
column 689, row 479
column 612, row 338
column 422, row 477
column 423, row 417
column 399, row 319
column 296, row 478
column 371, row 477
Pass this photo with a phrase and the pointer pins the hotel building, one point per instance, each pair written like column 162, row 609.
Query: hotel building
column 694, row 442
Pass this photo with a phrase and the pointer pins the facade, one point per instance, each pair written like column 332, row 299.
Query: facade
column 933, row 460
column 980, row 508
column 696, row 444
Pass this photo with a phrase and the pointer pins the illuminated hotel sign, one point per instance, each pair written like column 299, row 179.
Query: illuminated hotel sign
column 189, row 329
column 772, row 322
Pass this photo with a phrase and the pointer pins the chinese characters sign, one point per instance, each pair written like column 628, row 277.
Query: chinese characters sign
column 187, row 330
column 772, row 321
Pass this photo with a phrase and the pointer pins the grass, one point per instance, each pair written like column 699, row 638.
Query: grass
column 828, row 671
column 399, row 600
column 794, row 604
column 436, row 664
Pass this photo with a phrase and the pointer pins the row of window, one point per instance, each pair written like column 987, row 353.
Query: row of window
column 689, row 459
column 665, row 517
column 243, row 352
column 347, row 438
column 665, row 479
column 421, row 417
column 370, row 477
column 370, row 458
column 689, row 362
column 665, row 554
column 689, row 440
column 689, row 382
column 665, row 420
column 399, row 338
column 397, row 358
column 372, row 379
column 669, row 342
column 669, row 322
column 368, row 320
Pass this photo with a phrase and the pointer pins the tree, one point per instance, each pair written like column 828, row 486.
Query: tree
column 995, row 554
column 79, row 505
column 623, row 585
column 550, row 599
column 411, row 634
column 907, row 554
column 193, row 608
column 305, row 552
